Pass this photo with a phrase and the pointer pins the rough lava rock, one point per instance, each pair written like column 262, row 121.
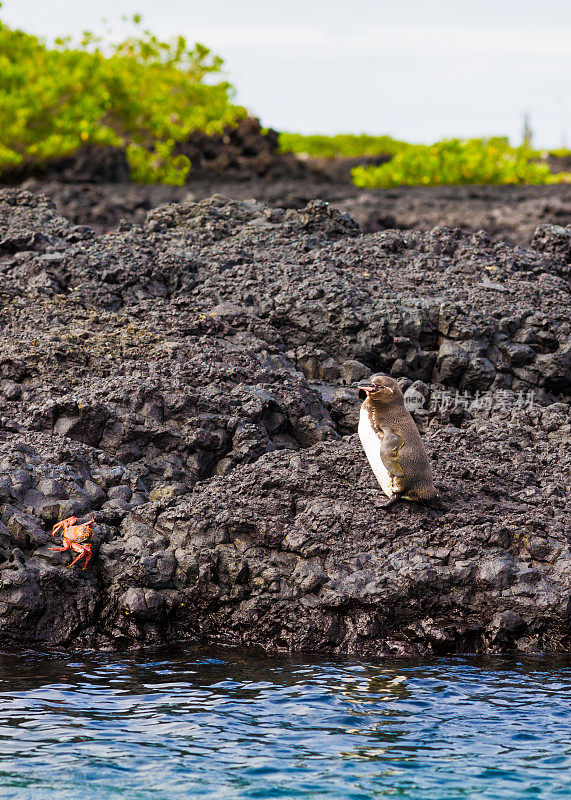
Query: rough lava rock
column 506, row 213
column 185, row 382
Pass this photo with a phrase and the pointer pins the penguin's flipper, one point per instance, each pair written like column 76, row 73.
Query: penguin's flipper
column 391, row 444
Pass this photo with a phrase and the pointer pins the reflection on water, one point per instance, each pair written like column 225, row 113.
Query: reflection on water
column 228, row 724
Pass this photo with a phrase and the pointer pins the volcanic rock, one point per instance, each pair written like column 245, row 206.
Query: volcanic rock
column 184, row 382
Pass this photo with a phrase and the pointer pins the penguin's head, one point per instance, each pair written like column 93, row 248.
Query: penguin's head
column 380, row 388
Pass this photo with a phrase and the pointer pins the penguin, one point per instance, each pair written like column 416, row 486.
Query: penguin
column 392, row 443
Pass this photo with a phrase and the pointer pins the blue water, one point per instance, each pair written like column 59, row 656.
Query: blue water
column 231, row 724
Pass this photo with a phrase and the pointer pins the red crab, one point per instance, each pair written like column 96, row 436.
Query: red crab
column 73, row 536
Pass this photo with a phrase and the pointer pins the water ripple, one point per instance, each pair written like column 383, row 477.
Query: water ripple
column 225, row 724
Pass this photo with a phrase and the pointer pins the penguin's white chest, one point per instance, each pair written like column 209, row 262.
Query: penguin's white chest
column 372, row 447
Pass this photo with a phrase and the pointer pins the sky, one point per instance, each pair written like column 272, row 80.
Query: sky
column 418, row 70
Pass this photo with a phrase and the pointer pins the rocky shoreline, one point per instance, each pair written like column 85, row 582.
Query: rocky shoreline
column 507, row 213
column 184, row 380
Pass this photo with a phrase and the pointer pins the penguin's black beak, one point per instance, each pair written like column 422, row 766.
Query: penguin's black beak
column 363, row 386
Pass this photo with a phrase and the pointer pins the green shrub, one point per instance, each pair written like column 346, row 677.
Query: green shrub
column 342, row 145
column 561, row 152
column 476, row 161
column 143, row 94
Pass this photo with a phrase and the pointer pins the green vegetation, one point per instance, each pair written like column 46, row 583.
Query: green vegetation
column 147, row 95
column 561, row 152
column 453, row 161
column 142, row 94
column 479, row 161
column 342, row 145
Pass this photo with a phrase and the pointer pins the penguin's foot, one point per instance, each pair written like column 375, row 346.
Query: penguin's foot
column 391, row 501
column 434, row 503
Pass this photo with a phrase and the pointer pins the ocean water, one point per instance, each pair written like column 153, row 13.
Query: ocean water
column 170, row 724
